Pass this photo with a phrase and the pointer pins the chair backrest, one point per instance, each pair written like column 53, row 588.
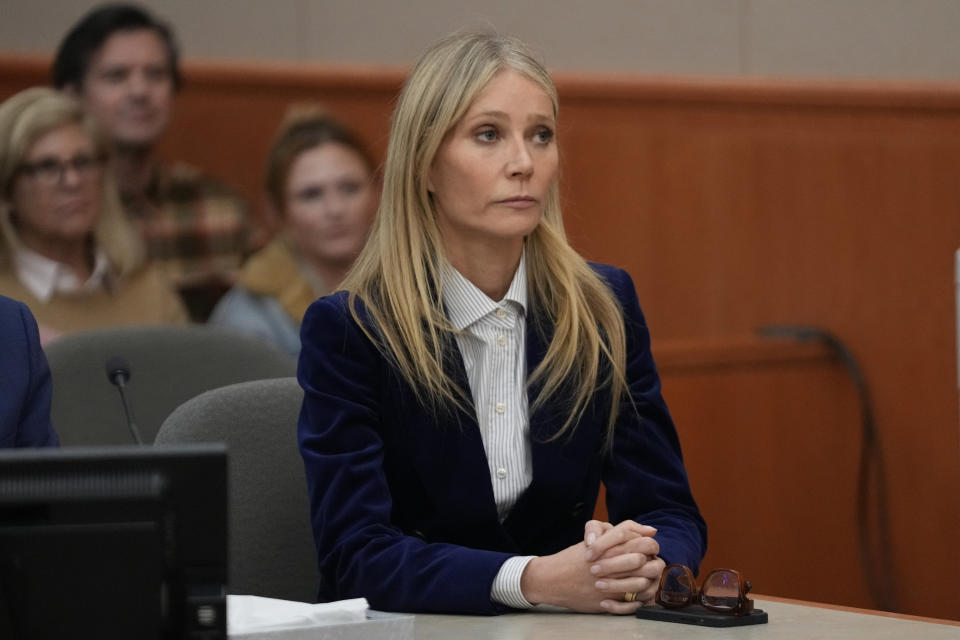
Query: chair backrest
column 271, row 547
column 169, row 364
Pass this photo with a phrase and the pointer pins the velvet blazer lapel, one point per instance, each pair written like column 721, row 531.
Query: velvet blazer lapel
column 454, row 450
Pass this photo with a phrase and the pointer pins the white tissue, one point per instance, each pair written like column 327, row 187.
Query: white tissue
column 254, row 615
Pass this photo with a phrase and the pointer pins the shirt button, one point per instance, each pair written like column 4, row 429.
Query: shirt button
column 501, row 340
column 501, row 313
column 501, row 473
column 500, row 407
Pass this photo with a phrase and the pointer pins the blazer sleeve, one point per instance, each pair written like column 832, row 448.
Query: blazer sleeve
column 361, row 552
column 30, row 386
column 644, row 476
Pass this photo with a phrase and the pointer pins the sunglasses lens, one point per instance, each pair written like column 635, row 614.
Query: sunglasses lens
column 677, row 586
column 721, row 591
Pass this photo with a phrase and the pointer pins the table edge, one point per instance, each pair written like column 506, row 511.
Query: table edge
column 872, row 612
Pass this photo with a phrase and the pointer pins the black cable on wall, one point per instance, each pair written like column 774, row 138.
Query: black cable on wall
column 873, row 517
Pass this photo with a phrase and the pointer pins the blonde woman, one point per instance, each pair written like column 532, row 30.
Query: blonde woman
column 476, row 379
column 321, row 186
column 67, row 250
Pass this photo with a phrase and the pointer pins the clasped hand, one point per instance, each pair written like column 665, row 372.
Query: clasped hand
column 594, row 575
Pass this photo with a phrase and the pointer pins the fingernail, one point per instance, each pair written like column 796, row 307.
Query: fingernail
column 590, row 538
column 605, row 604
column 600, row 584
column 595, row 569
column 589, row 555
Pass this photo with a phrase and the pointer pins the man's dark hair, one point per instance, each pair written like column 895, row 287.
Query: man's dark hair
column 87, row 36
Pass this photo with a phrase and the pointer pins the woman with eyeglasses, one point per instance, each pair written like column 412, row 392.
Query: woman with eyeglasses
column 67, row 250
column 321, row 185
column 476, row 380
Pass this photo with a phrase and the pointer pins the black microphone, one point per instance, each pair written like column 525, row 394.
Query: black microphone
column 118, row 373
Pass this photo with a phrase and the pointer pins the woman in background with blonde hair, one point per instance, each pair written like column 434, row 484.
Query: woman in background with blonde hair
column 321, row 186
column 476, row 380
column 67, row 250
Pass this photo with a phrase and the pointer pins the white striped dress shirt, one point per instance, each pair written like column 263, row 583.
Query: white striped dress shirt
column 492, row 341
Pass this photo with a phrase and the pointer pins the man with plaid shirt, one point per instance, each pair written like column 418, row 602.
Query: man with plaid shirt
column 123, row 64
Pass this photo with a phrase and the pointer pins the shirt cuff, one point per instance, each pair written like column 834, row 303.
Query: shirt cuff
column 506, row 586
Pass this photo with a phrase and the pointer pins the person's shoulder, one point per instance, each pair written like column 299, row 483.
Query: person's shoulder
column 150, row 286
column 9, row 306
column 19, row 333
column 145, row 275
column 237, row 301
column 260, row 315
column 12, row 313
column 272, row 270
column 338, row 323
column 336, row 304
column 240, row 306
column 605, row 270
column 618, row 279
column 339, row 308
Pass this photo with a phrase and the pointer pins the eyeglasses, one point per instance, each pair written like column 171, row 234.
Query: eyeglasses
column 722, row 591
column 51, row 171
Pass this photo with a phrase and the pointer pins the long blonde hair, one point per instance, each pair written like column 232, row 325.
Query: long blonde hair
column 24, row 119
column 397, row 276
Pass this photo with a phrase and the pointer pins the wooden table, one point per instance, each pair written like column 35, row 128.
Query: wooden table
column 789, row 619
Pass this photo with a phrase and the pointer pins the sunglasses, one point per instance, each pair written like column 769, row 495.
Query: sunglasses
column 722, row 591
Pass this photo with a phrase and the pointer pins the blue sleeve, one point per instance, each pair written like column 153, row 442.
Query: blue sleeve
column 361, row 551
column 645, row 477
column 29, row 391
column 259, row 316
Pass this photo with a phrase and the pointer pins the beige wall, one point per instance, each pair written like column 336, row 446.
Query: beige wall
column 820, row 38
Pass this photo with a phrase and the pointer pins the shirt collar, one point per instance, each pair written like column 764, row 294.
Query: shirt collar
column 44, row 277
column 465, row 303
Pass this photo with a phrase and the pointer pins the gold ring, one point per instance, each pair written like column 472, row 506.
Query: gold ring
column 630, row 596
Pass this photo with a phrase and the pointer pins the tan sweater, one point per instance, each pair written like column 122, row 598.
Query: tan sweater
column 273, row 271
column 143, row 298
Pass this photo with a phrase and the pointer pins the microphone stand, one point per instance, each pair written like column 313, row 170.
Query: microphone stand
column 118, row 372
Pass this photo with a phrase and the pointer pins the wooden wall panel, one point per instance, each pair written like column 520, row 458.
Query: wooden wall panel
column 733, row 204
column 846, row 215
column 772, row 444
column 770, row 431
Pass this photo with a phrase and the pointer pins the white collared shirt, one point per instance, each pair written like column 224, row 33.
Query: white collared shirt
column 492, row 341
column 44, row 277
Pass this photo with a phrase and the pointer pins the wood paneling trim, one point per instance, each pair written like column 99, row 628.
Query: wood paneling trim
column 595, row 87
column 28, row 69
column 241, row 74
column 342, row 77
column 696, row 354
column 761, row 91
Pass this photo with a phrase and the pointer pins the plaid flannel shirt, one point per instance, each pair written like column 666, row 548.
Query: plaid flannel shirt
column 197, row 231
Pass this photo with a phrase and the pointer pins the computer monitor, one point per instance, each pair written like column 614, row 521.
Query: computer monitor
column 113, row 542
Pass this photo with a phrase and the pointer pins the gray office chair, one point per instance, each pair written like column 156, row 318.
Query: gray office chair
column 271, row 547
column 169, row 364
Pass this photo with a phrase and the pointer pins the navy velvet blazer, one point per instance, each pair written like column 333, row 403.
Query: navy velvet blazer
column 25, row 386
column 402, row 503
